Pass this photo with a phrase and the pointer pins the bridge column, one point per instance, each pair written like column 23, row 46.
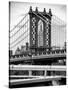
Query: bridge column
column 30, row 72
column 45, row 72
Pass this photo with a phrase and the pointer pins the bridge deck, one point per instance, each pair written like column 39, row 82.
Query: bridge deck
column 37, row 67
column 19, row 76
column 42, row 56
column 34, row 80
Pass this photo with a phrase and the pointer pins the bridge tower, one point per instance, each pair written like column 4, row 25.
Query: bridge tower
column 40, row 30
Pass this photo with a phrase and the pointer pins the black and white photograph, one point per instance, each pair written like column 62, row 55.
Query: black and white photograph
column 37, row 44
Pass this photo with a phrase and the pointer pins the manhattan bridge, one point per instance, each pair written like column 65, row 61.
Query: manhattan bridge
column 38, row 51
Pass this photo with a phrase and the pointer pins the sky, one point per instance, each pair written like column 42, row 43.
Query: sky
column 19, row 9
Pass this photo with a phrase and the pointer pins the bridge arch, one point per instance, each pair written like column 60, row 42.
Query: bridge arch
column 40, row 33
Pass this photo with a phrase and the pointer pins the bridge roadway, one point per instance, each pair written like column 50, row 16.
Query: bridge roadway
column 35, row 80
column 42, row 56
column 38, row 67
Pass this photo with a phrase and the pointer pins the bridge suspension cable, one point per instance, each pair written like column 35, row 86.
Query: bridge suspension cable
column 41, row 18
column 19, row 41
column 19, row 29
column 19, row 37
column 19, row 23
column 57, row 20
column 52, row 23
column 22, row 32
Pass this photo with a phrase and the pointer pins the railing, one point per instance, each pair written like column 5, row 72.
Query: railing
column 37, row 67
column 33, row 71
